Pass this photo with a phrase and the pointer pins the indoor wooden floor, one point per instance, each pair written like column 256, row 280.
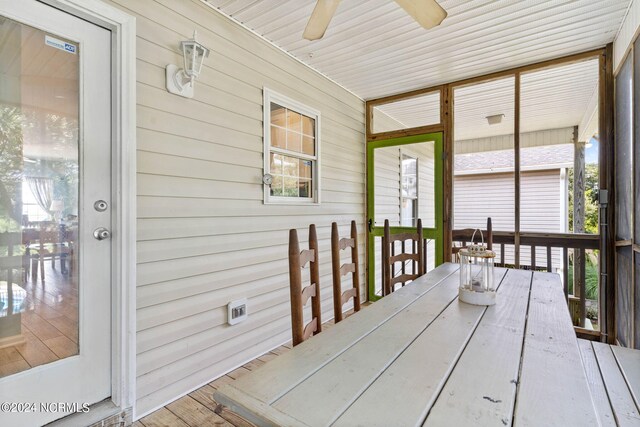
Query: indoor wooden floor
column 198, row 407
column 49, row 323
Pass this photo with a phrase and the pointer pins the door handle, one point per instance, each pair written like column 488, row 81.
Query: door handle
column 370, row 222
column 101, row 233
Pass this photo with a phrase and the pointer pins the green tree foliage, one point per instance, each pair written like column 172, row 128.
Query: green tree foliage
column 11, row 121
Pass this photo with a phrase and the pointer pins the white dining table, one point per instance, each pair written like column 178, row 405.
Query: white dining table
column 421, row 357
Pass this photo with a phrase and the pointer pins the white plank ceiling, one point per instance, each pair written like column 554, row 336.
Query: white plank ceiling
column 373, row 48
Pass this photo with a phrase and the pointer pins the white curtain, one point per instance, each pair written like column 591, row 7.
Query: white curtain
column 42, row 189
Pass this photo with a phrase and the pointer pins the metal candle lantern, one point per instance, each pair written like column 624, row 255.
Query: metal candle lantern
column 476, row 274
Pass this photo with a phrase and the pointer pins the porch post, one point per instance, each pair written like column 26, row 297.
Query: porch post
column 579, row 271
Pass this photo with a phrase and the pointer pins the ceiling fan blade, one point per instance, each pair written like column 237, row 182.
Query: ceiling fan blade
column 320, row 18
column 427, row 13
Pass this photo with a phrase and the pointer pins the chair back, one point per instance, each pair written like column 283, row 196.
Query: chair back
column 11, row 257
column 392, row 275
column 299, row 295
column 465, row 236
column 337, row 244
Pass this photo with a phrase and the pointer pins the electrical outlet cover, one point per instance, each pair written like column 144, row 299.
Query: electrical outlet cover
column 237, row 311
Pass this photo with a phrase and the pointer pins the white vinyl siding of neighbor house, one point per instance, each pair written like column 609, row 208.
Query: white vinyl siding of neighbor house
column 541, row 207
column 543, row 188
column 204, row 235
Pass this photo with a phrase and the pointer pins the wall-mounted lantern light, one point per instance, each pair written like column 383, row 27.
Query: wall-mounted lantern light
column 180, row 80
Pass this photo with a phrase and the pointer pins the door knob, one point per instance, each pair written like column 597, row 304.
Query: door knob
column 101, row 233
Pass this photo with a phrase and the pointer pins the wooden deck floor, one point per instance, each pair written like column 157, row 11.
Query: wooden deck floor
column 198, row 407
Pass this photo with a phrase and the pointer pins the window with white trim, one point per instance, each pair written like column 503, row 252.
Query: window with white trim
column 291, row 150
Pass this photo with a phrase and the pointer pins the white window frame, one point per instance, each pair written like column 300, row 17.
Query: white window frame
column 271, row 96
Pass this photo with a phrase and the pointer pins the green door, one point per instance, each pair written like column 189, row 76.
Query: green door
column 404, row 183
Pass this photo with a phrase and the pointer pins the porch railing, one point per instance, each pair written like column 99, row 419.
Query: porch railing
column 552, row 245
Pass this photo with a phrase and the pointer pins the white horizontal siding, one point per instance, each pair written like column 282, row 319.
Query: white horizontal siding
column 478, row 197
column 204, row 236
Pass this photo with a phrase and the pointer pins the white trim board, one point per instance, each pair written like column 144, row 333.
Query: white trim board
column 123, row 42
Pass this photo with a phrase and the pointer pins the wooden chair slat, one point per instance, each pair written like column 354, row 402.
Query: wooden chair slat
column 348, row 294
column 347, row 268
column 310, row 329
column 337, row 244
column 404, row 257
column 306, row 256
column 345, row 243
column 403, row 278
column 308, row 292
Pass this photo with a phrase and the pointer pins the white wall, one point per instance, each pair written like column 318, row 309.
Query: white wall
column 204, row 236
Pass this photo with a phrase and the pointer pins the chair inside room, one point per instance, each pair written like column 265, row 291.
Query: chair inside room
column 300, row 296
column 13, row 264
column 463, row 237
column 402, row 257
column 52, row 244
column 338, row 244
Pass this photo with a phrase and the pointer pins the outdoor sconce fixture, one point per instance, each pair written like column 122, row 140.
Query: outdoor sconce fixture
column 477, row 285
column 495, row 119
column 180, row 80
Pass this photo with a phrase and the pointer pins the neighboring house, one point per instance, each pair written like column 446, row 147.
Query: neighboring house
column 483, row 187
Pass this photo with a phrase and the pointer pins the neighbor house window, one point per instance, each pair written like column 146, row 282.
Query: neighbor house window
column 291, row 140
column 408, row 191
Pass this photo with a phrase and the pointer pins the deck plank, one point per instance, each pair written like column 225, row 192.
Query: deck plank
column 287, row 371
column 194, row 413
column 163, row 418
column 482, row 388
column 629, row 362
column 549, row 336
column 624, row 407
column 596, row 384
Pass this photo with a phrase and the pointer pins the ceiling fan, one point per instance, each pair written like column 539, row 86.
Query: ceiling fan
column 428, row 13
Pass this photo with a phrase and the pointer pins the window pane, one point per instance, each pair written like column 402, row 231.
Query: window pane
column 559, row 151
column 276, row 186
column 290, row 186
column 483, row 183
column 275, row 164
column 407, row 113
column 409, row 177
column 294, row 121
column 395, row 184
column 294, row 141
column 305, row 188
column 290, row 166
column 305, row 168
column 278, row 115
column 308, row 126
column 278, row 137
column 308, row 145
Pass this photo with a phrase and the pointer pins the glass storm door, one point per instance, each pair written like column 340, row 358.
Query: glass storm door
column 55, row 188
column 404, row 184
